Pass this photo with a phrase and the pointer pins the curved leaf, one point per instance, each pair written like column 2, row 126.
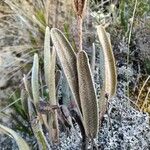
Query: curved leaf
column 87, row 93
column 67, row 58
column 22, row 145
column 109, row 62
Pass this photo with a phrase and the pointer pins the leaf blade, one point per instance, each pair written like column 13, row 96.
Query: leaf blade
column 67, row 58
column 35, row 80
column 49, row 69
column 110, row 68
column 22, row 144
column 87, row 95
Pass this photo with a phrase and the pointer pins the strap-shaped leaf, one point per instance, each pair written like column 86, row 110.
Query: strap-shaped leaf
column 87, row 94
column 35, row 79
column 67, row 58
column 47, row 57
column 36, row 126
column 52, row 97
column 102, row 100
column 49, row 69
column 33, row 114
column 22, row 145
column 110, row 68
column 52, row 90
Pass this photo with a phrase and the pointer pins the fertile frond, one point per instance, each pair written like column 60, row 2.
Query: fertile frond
column 87, row 94
column 67, row 58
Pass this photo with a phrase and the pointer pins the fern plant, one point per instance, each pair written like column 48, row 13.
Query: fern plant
column 78, row 74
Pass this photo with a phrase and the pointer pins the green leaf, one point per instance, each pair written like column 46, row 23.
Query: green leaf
column 35, row 79
column 49, row 69
column 22, row 145
column 36, row 126
column 47, row 57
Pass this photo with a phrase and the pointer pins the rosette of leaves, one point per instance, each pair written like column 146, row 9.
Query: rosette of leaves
column 78, row 74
